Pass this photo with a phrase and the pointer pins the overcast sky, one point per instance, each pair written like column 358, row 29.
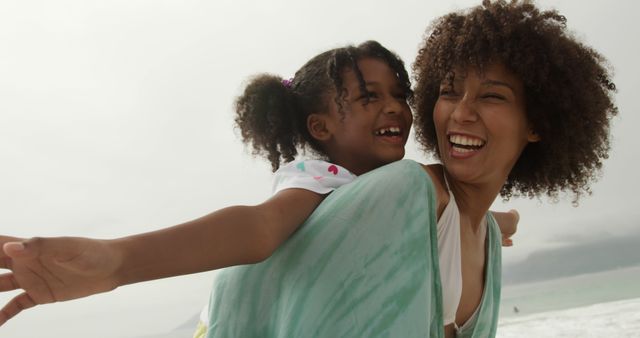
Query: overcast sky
column 116, row 118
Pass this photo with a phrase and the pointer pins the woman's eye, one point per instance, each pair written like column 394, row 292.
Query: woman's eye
column 493, row 96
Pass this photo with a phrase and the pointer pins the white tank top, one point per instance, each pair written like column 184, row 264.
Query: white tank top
column 450, row 261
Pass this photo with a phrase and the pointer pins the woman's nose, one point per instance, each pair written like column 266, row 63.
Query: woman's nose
column 465, row 111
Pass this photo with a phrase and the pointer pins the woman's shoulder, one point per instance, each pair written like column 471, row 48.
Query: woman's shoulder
column 401, row 185
column 409, row 174
column 401, row 173
column 430, row 172
column 394, row 168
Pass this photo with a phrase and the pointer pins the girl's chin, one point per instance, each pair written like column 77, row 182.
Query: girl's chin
column 395, row 155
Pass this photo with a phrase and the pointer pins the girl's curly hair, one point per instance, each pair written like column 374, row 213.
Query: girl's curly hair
column 568, row 89
column 272, row 113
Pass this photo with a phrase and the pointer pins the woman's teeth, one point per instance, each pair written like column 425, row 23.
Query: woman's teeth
column 465, row 144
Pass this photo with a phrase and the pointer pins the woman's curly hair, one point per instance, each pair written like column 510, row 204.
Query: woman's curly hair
column 568, row 89
column 272, row 113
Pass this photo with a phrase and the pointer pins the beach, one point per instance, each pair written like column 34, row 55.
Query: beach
column 602, row 304
column 619, row 319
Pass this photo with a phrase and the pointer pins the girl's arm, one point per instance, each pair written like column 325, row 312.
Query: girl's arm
column 63, row 268
column 231, row 236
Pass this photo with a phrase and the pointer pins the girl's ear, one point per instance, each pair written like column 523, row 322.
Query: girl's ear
column 317, row 125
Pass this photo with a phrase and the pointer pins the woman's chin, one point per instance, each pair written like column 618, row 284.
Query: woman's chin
column 462, row 172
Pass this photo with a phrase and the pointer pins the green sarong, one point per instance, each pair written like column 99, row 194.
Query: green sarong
column 365, row 264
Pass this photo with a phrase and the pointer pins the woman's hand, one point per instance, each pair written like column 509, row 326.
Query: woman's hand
column 510, row 227
column 508, row 224
column 50, row 270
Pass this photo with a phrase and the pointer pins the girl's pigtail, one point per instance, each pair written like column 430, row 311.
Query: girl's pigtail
column 266, row 117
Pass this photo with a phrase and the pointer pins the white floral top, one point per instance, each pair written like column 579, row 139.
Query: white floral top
column 314, row 175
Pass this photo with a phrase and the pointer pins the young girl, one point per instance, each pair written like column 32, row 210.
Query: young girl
column 347, row 105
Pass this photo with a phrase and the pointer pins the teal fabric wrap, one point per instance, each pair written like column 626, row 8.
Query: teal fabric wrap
column 365, row 264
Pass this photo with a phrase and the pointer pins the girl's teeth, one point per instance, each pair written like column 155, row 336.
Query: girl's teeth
column 395, row 130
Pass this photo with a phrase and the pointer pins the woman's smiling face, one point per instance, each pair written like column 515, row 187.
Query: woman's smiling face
column 481, row 123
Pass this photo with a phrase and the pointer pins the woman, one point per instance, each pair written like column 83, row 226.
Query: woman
column 512, row 104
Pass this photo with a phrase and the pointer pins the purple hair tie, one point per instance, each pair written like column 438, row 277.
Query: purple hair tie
column 287, row 82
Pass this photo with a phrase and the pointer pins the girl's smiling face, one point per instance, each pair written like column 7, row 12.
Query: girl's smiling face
column 372, row 127
column 481, row 123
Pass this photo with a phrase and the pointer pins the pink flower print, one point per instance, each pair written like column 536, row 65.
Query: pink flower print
column 333, row 169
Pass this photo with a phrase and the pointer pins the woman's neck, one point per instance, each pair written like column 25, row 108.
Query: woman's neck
column 473, row 200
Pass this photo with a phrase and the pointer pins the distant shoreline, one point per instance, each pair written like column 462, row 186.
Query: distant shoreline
column 608, row 319
column 570, row 292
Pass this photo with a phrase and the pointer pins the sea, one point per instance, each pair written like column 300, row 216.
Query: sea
column 602, row 304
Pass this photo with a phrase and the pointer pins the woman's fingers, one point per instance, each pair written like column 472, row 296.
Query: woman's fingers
column 15, row 306
column 507, row 242
column 516, row 216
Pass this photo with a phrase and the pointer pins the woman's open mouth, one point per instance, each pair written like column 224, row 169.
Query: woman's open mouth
column 464, row 144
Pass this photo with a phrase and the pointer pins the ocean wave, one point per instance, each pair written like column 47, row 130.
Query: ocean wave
column 619, row 319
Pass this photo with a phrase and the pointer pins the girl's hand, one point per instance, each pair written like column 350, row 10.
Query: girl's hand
column 50, row 270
